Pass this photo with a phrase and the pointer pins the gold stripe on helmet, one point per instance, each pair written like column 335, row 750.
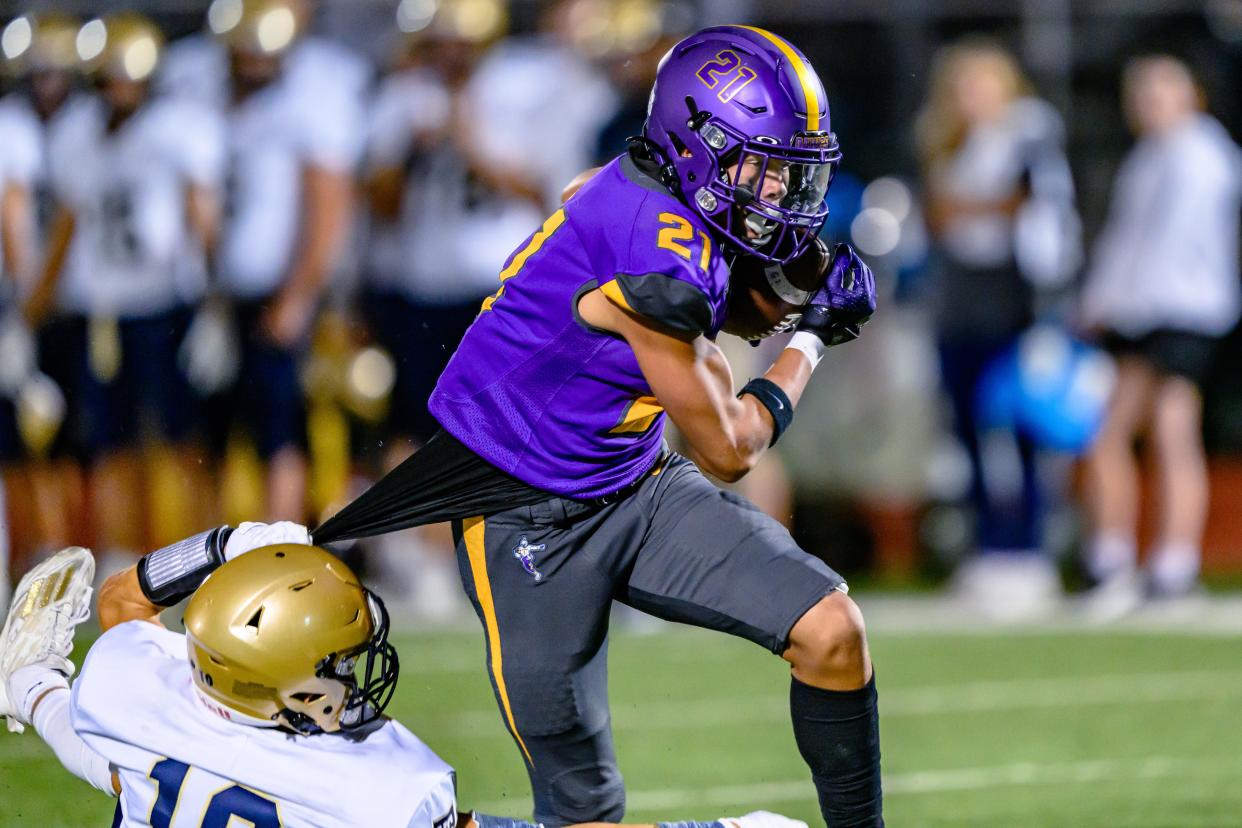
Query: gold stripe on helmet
column 801, row 70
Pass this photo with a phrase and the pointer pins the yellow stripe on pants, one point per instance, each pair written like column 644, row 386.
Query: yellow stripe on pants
column 476, row 551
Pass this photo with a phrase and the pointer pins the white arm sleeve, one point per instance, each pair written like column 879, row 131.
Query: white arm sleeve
column 52, row 722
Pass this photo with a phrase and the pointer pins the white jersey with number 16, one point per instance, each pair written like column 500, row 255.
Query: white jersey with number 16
column 183, row 766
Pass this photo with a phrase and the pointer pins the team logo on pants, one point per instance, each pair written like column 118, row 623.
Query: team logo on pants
column 525, row 552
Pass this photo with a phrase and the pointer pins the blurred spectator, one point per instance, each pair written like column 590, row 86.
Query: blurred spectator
column 39, row 56
column 286, row 216
column 997, row 191
column 135, row 181
column 440, row 231
column 1162, row 291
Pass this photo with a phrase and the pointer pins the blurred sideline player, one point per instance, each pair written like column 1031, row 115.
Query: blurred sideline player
column 136, row 180
column 628, row 40
column 42, row 484
column 535, row 104
column 265, row 709
column 286, row 215
column 552, row 461
column 197, row 66
column 439, row 232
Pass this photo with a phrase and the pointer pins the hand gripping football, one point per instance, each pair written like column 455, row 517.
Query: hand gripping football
column 766, row 298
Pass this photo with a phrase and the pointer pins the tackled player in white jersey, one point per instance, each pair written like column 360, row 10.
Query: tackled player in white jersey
column 267, row 707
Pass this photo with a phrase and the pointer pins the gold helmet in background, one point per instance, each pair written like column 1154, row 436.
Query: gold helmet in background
column 470, row 21
column 287, row 636
column 266, row 27
column 40, row 43
column 122, row 46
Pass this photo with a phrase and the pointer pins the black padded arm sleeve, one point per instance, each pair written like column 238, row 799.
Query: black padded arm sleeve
column 668, row 300
column 171, row 574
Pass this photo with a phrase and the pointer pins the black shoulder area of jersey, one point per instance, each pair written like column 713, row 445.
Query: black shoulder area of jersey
column 668, row 300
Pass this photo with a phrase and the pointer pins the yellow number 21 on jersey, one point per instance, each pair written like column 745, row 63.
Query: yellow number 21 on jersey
column 519, row 258
column 678, row 230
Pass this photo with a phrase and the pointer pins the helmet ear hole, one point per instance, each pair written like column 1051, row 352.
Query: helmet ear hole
column 307, row 698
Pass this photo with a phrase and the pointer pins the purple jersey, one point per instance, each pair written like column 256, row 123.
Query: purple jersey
column 539, row 394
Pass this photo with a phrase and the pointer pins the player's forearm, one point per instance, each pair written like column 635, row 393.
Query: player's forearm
column 40, row 301
column 328, row 201
column 121, row 599
column 15, row 232
column 746, row 424
column 202, row 209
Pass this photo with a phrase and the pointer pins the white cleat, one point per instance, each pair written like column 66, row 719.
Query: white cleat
column 49, row 603
column 762, row 819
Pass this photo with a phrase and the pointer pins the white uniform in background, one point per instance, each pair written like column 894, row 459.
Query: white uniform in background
column 182, row 765
column 128, row 192
column 24, row 157
column 273, row 135
column 21, row 135
column 539, row 107
column 197, row 67
column 450, row 240
column 1168, row 254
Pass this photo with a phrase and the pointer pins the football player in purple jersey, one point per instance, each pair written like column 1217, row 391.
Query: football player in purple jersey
column 552, row 462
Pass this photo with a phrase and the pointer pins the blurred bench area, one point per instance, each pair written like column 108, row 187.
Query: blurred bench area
column 318, row 196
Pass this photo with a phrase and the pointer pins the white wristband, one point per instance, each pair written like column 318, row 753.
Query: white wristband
column 809, row 344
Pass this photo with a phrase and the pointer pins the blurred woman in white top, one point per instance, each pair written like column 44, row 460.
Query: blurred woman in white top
column 1000, row 210
column 1163, row 288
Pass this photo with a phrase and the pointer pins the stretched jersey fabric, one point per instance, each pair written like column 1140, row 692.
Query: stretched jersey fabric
column 183, row 766
column 535, row 391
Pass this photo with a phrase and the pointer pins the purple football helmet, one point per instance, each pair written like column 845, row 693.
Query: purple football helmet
column 743, row 98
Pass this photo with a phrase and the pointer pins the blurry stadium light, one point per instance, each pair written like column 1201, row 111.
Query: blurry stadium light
column 276, row 30
column 224, row 15
column 140, row 58
column 17, row 37
column 92, row 38
column 371, row 375
column 415, row 15
column 477, row 20
column 875, row 231
column 889, row 194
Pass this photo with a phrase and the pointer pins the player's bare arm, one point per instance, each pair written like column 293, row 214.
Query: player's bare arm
column 327, row 201
column 692, row 380
column 16, row 210
column 121, row 600
column 44, row 293
column 202, row 211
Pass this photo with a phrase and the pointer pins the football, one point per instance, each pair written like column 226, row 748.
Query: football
column 755, row 311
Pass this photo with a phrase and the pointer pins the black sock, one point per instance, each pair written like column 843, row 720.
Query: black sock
column 838, row 735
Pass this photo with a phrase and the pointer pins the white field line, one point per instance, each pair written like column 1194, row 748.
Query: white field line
column 916, row 782
column 976, row 697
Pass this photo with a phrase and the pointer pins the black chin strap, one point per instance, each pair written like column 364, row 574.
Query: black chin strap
column 650, row 160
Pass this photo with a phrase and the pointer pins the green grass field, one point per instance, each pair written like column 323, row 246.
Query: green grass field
column 1018, row 729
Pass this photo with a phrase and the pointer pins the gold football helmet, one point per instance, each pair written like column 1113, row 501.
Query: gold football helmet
column 471, row 21
column 264, row 27
column 40, row 43
column 286, row 636
column 124, row 46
